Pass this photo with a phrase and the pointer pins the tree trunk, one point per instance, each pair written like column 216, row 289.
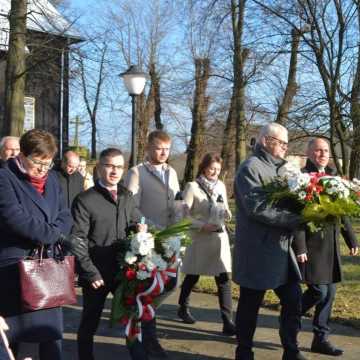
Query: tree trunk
column 354, row 169
column 15, row 70
column 228, row 142
column 239, row 59
column 199, row 115
column 148, row 108
column 291, row 86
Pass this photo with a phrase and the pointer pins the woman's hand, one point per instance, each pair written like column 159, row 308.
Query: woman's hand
column 209, row 228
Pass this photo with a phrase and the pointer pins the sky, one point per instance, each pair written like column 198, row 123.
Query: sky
column 114, row 126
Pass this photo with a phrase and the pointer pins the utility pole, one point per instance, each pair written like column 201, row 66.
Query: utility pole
column 77, row 124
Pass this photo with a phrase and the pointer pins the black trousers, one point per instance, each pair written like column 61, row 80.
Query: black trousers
column 223, row 284
column 48, row 350
column 322, row 297
column 247, row 315
column 93, row 305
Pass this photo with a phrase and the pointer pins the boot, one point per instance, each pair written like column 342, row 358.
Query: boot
column 185, row 314
column 229, row 328
column 225, row 302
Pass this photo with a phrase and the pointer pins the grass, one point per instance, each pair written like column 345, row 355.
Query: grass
column 346, row 308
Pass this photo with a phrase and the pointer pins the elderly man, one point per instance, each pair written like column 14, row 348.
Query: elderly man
column 9, row 147
column 70, row 179
column 263, row 255
column 319, row 256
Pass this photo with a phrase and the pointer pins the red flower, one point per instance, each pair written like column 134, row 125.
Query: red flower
column 130, row 300
column 130, row 274
column 140, row 288
column 142, row 267
column 308, row 197
column 147, row 299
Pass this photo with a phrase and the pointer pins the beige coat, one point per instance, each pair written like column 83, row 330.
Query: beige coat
column 154, row 198
column 209, row 253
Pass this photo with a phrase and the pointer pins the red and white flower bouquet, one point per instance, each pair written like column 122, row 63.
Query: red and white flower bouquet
column 148, row 269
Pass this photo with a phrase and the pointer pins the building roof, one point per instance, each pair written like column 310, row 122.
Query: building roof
column 42, row 17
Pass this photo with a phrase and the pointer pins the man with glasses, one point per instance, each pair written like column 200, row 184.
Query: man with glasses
column 263, row 258
column 102, row 216
column 70, row 179
column 154, row 184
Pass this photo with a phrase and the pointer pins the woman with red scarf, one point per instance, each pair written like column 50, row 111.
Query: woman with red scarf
column 32, row 214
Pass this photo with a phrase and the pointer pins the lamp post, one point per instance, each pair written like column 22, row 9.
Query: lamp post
column 134, row 80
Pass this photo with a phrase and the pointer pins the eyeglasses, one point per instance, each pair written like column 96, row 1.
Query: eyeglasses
column 281, row 143
column 41, row 164
column 113, row 167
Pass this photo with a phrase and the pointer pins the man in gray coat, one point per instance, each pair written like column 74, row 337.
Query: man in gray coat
column 263, row 258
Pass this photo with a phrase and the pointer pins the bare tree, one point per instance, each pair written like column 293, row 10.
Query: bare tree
column 199, row 116
column 15, row 70
column 92, row 87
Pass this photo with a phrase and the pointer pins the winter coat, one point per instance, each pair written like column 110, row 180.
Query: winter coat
column 322, row 247
column 209, row 252
column 27, row 220
column 103, row 224
column 71, row 184
column 263, row 258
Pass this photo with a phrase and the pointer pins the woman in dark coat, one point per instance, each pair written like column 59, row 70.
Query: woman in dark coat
column 32, row 213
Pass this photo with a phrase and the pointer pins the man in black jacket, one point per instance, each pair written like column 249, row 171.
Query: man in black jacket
column 319, row 257
column 71, row 181
column 102, row 217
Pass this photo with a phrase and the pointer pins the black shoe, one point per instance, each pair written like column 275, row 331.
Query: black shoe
column 293, row 355
column 185, row 314
column 325, row 347
column 229, row 329
column 154, row 349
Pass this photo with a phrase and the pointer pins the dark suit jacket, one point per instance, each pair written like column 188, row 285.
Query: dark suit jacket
column 322, row 248
column 103, row 224
column 28, row 219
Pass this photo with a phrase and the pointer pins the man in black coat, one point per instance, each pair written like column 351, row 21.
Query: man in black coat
column 319, row 257
column 71, row 181
column 102, row 216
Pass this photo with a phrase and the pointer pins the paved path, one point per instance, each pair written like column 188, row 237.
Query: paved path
column 202, row 341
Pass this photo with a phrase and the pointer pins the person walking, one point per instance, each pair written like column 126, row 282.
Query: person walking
column 155, row 184
column 319, row 256
column 263, row 258
column 103, row 216
column 33, row 213
column 209, row 252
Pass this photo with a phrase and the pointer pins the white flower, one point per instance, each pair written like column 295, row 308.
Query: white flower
column 289, row 169
column 298, row 182
column 130, row 258
column 159, row 262
column 172, row 246
column 142, row 243
column 147, row 261
column 302, row 195
column 142, row 275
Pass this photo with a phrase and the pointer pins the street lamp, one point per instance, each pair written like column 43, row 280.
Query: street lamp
column 134, row 80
